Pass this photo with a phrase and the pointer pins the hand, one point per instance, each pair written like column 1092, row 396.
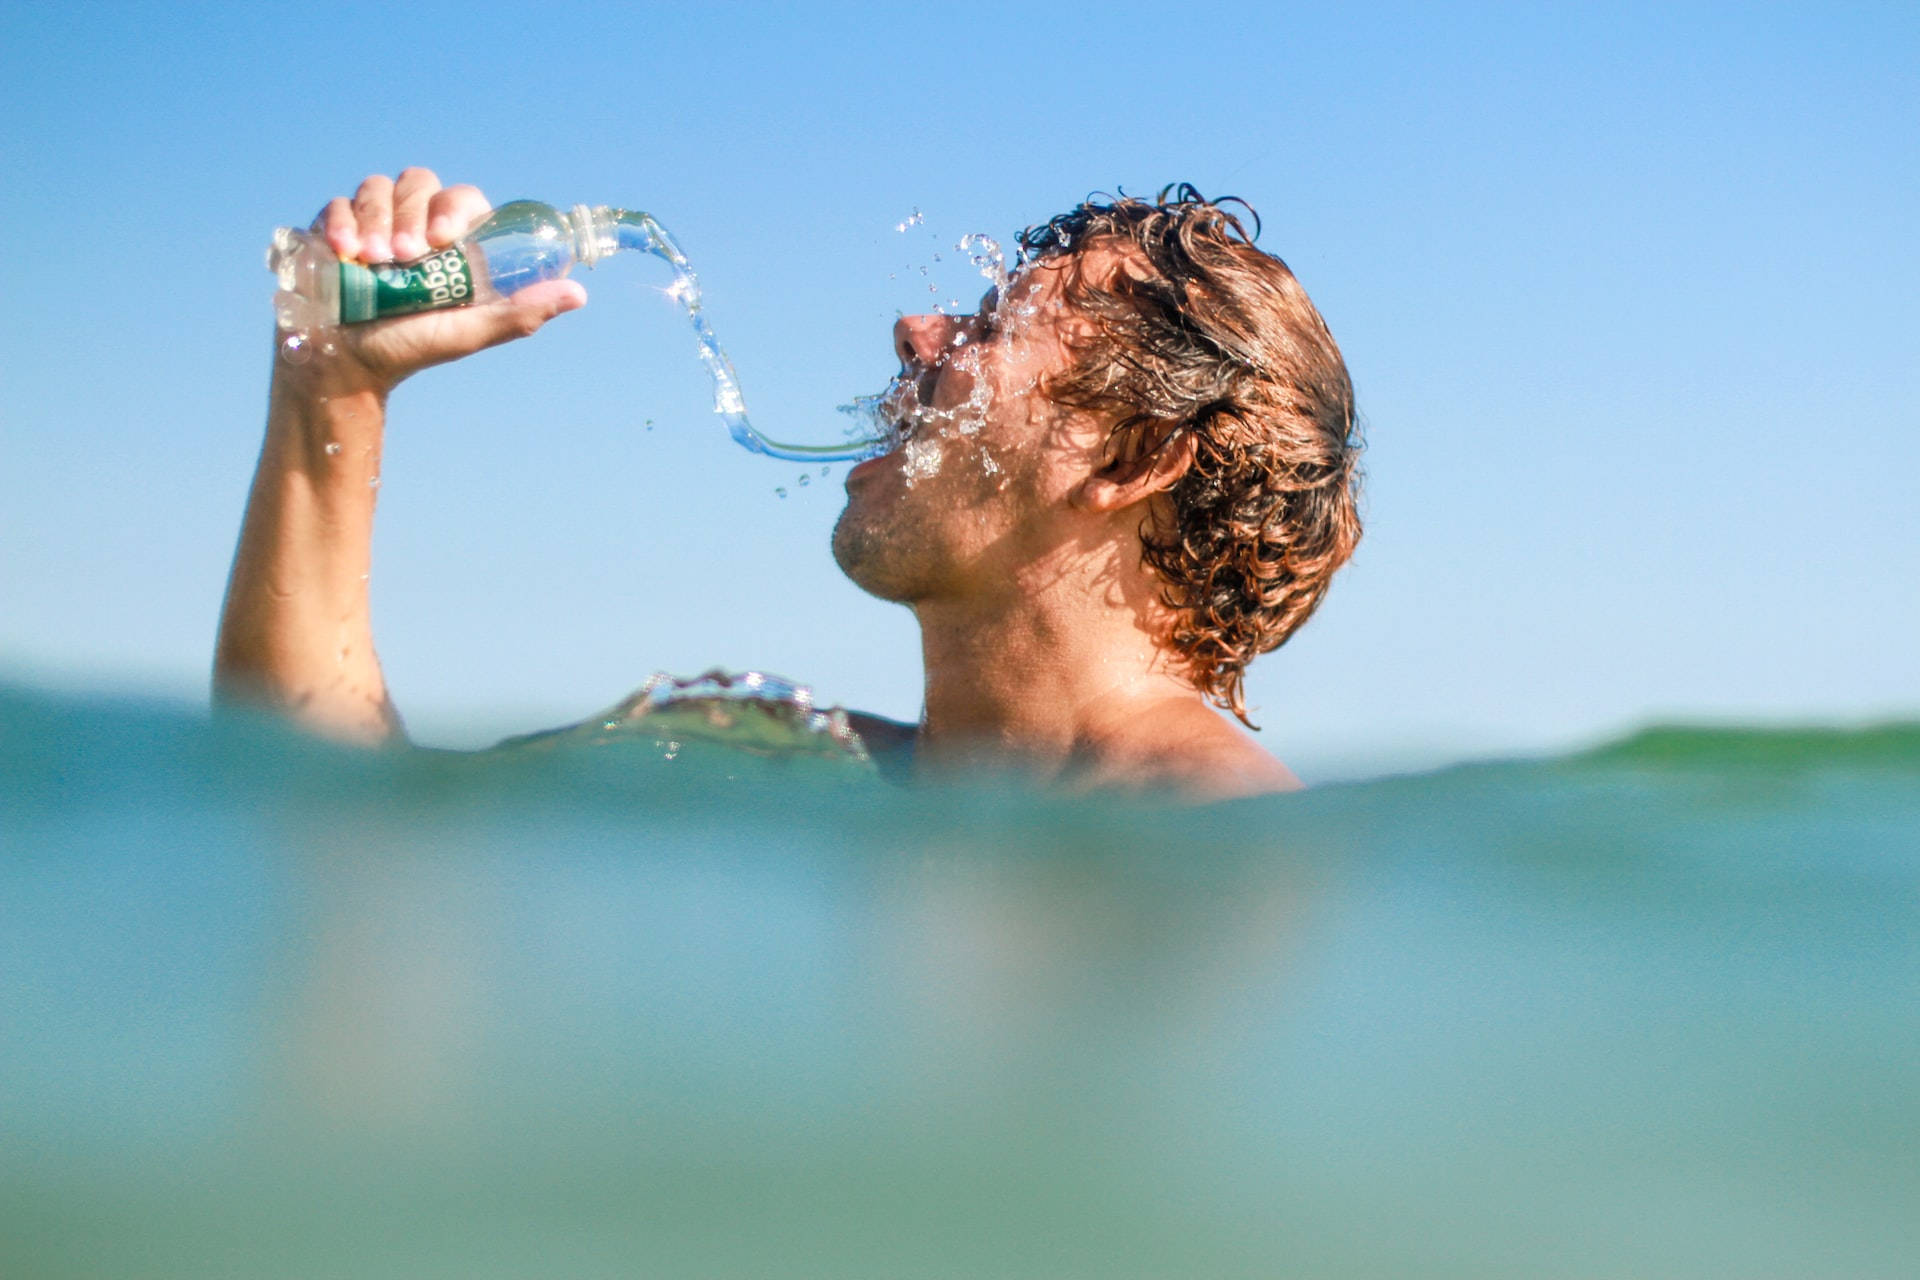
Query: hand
column 406, row 218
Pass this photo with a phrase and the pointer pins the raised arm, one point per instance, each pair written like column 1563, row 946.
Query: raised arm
column 296, row 633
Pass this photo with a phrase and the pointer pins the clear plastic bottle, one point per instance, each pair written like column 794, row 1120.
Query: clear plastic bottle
column 518, row 244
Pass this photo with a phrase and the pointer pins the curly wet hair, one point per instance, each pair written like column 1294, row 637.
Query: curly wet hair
column 1200, row 335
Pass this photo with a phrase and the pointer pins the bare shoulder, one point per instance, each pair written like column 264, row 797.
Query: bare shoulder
column 1242, row 769
column 1192, row 750
column 1225, row 764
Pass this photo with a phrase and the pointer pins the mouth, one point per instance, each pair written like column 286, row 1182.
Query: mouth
column 889, row 419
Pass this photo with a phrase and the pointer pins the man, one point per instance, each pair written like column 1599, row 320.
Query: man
column 1115, row 486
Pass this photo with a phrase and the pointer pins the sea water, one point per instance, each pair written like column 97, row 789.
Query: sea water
column 270, row 1007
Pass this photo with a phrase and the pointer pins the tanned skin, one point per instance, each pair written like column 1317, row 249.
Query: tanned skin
column 1017, row 547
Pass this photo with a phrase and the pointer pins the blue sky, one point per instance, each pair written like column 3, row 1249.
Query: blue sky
column 1628, row 293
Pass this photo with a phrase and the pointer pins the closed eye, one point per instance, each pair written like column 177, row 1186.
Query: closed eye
column 988, row 319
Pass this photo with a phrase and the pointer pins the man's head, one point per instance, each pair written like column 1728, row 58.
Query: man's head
column 1148, row 378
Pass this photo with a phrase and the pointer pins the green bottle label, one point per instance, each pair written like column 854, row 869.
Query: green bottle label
column 442, row 279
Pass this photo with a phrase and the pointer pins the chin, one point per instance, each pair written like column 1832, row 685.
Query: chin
column 879, row 559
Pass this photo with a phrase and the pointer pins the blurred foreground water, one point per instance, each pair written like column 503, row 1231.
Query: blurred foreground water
column 274, row 1009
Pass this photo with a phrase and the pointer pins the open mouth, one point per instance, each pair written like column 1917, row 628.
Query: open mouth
column 890, row 418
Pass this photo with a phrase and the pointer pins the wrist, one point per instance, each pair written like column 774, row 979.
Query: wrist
column 326, row 420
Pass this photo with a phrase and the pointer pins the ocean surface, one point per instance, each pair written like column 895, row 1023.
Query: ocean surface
column 272, row 1008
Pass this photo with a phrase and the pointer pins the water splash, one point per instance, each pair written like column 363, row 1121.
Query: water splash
column 634, row 230
column 987, row 257
column 752, row 711
column 924, row 432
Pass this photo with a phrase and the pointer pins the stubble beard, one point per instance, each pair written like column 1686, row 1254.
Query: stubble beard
column 879, row 557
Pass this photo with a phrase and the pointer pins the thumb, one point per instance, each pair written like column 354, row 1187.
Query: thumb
column 550, row 297
column 526, row 311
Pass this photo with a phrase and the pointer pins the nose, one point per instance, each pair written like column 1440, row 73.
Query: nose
column 920, row 341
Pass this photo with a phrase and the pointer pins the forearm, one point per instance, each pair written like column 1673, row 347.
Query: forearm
column 296, row 632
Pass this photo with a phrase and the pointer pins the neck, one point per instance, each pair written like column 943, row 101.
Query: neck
column 1047, row 676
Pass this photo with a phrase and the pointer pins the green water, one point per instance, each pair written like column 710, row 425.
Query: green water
column 270, row 1008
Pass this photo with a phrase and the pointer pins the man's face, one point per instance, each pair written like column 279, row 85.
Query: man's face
column 977, row 488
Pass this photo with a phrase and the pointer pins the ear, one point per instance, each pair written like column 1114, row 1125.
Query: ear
column 1128, row 473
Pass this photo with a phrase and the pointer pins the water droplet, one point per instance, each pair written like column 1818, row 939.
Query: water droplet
column 824, row 471
column 373, row 482
column 805, row 479
column 781, row 491
column 936, row 257
column 296, row 349
column 328, row 349
column 913, row 219
column 333, row 447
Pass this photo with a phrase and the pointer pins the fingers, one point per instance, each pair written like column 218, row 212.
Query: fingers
column 400, row 219
column 340, row 227
column 373, row 208
column 452, row 211
column 411, row 192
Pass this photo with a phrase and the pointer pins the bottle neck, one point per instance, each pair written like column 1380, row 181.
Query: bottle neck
column 595, row 234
